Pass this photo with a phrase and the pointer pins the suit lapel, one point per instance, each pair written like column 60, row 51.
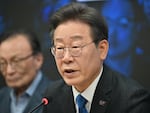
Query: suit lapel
column 68, row 101
column 6, row 102
column 36, row 99
column 102, row 96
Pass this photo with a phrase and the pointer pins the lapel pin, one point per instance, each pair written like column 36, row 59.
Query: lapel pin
column 102, row 102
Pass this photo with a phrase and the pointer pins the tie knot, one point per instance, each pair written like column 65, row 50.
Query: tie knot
column 81, row 101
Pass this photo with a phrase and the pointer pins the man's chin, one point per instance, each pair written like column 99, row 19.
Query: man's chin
column 13, row 85
column 71, row 82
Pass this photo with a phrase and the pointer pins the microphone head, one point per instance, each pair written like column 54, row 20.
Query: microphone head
column 45, row 101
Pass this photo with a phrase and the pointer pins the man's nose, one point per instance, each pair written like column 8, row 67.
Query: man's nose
column 9, row 68
column 67, row 55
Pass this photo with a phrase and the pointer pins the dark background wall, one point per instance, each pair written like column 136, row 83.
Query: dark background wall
column 34, row 14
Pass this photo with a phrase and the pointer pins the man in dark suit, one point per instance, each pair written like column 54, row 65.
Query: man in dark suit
column 79, row 37
column 20, row 63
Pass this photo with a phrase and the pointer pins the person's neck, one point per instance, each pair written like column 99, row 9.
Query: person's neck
column 19, row 91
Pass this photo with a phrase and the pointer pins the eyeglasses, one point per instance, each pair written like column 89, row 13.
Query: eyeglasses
column 75, row 51
column 15, row 63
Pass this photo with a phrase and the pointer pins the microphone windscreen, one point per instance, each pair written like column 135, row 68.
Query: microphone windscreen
column 45, row 101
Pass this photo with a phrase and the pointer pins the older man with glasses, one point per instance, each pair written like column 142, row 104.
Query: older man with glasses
column 79, row 37
column 20, row 64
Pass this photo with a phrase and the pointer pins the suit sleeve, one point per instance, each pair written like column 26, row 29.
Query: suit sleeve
column 139, row 102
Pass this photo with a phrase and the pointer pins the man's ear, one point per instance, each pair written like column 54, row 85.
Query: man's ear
column 103, row 47
column 39, row 60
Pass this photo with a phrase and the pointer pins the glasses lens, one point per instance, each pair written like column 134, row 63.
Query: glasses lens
column 75, row 52
column 2, row 66
column 15, row 63
column 57, row 52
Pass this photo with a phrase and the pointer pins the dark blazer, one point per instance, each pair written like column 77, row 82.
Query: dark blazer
column 34, row 101
column 114, row 94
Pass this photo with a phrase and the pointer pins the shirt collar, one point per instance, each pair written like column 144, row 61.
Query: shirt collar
column 34, row 84
column 30, row 90
column 89, row 92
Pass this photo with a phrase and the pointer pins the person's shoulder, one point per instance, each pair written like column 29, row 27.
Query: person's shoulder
column 57, row 84
column 127, row 83
column 124, row 83
column 126, row 92
column 133, row 94
column 57, row 87
column 4, row 91
column 129, row 88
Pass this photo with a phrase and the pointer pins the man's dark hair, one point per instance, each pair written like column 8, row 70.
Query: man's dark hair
column 83, row 13
column 29, row 35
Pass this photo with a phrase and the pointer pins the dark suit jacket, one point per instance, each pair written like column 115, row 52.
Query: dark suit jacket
column 34, row 101
column 114, row 94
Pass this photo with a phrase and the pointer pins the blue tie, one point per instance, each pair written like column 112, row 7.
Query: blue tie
column 81, row 101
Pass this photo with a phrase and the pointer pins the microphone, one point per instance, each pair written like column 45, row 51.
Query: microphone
column 44, row 102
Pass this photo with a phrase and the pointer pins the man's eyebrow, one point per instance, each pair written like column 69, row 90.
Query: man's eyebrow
column 77, row 37
column 12, row 58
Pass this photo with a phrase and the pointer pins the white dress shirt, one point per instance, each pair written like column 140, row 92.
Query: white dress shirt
column 88, row 93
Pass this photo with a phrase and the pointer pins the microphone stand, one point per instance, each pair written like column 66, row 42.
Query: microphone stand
column 35, row 108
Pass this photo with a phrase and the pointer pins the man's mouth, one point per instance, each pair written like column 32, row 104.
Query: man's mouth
column 69, row 71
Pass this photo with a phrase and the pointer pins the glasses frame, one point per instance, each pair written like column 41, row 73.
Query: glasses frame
column 53, row 50
column 14, row 63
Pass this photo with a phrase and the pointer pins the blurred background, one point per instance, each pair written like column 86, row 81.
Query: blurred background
column 129, row 32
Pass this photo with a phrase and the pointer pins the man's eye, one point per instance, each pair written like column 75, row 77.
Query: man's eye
column 16, row 60
column 75, row 47
column 59, row 48
column 2, row 63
